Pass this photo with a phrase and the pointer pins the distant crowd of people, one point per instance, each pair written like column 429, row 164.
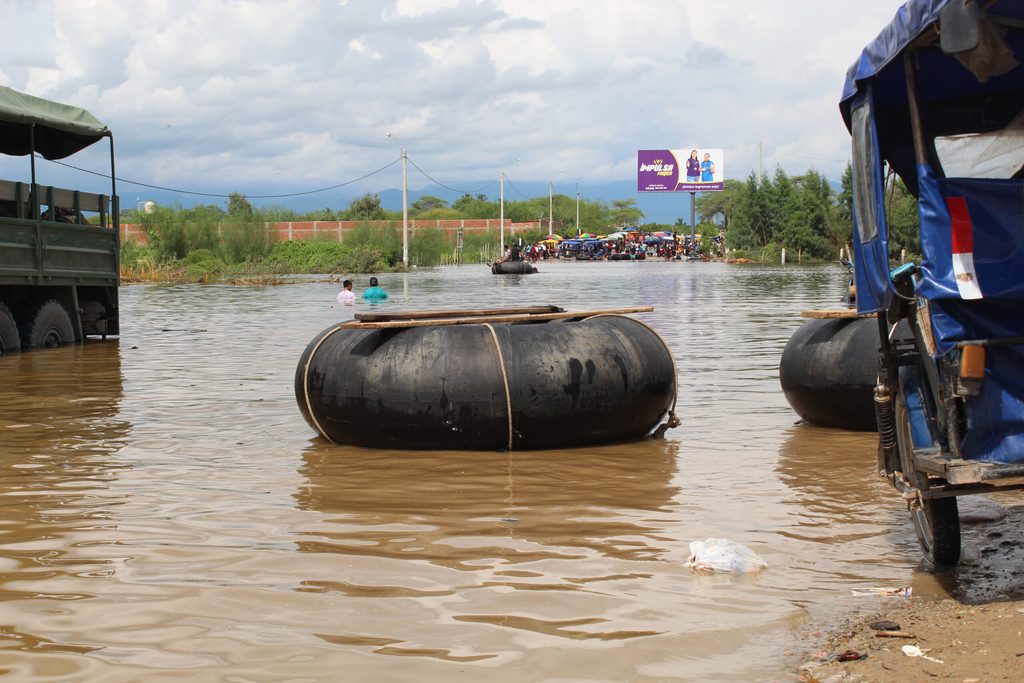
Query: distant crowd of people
column 620, row 245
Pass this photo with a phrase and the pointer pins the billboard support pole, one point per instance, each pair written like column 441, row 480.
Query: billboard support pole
column 693, row 215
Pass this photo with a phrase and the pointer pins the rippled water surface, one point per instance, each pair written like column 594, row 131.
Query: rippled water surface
column 169, row 515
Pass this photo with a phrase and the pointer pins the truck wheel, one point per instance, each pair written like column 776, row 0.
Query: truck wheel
column 10, row 341
column 46, row 326
column 936, row 520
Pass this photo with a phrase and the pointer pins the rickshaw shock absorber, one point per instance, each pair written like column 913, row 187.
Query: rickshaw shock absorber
column 886, row 419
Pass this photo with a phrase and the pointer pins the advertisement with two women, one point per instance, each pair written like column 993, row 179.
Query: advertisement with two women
column 680, row 170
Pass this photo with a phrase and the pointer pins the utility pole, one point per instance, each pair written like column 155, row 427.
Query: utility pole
column 577, row 206
column 405, row 208
column 693, row 217
column 551, row 215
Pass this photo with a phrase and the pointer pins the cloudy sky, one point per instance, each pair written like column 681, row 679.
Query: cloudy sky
column 275, row 96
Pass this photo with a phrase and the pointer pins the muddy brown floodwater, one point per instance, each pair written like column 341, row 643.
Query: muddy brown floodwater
column 168, row 514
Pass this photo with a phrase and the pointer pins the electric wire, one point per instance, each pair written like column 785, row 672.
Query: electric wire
column 213, row 194
column 516, row 189
column 438, row 182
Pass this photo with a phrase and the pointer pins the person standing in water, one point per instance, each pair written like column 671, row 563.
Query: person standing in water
column 346, row 296
column 375, row 292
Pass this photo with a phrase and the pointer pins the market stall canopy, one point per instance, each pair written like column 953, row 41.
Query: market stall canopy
column 60, row 129
column 552, row 238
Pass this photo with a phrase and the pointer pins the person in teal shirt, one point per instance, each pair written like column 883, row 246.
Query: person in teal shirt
column 375, row 292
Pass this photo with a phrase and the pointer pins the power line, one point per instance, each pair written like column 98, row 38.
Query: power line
column 516, row 189
column 438, row 182
column 211, row 194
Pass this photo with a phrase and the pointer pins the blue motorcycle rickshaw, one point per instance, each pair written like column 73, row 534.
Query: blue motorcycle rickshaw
column 938, row 98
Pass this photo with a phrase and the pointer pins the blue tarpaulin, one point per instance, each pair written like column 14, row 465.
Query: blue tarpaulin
column 977, row 221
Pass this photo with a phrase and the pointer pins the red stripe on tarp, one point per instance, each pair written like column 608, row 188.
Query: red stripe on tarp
column 963, row 237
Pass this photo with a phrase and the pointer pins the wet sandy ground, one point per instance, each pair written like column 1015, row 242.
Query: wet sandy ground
column 971, row 617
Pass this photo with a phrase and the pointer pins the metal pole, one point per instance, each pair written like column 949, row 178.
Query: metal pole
column 405, row 208
column 577, row 206
column 501, row 219
column 910, row 74
column 693, row 215
column 551, row 214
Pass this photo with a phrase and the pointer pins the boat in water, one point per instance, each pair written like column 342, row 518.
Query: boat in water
column 520, row 267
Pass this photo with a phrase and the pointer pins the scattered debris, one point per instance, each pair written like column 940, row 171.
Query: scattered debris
column 851, row 655
column 720, row 555
column 903, row 591
column 884, row 625
column 915, row 651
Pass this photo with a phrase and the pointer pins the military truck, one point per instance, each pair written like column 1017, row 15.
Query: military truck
column 59, row 248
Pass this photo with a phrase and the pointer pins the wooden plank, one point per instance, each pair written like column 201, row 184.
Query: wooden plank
column 7, row 190
column 476, row 320
column 70, row 199
column 835, row 314
column 467, row 313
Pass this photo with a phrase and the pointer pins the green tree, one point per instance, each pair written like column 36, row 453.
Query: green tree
column 239, row 207
column 842, row 210
column 427, row 203
column 366, row 207
column 625, row 212
column 805, row 226
column 719, row 207
column 477, row 207
column 901, row 211
column 752, row 227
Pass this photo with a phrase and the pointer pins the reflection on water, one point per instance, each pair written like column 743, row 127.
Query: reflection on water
column 59, row 427
column 841, row 505
column 465, row 510
column 168, row 512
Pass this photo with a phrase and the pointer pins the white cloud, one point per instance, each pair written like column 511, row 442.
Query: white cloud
column 247, row 95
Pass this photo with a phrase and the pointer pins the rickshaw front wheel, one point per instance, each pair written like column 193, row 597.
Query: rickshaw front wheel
column 936, row 520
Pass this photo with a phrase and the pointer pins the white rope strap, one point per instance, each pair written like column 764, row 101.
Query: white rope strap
column 305, row 384
column 504, row 378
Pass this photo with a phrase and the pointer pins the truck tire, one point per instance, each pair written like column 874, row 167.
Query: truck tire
column 46, row 326
column 10, row 340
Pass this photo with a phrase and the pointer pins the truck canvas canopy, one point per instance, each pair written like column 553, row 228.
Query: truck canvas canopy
column 57, row 130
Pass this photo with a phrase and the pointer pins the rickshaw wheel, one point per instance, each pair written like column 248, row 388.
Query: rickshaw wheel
column 936, row 520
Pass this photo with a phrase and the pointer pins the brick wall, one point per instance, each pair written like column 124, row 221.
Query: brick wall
column 335, row 230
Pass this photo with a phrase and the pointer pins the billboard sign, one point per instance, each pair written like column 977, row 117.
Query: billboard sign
column 699, row 169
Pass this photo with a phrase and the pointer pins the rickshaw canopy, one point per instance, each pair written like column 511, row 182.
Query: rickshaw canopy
column 959, row 95
column 951, row 127
column 942, row 79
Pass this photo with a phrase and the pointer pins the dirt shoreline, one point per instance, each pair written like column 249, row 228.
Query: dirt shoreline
column 973, row 642
column 971, row 618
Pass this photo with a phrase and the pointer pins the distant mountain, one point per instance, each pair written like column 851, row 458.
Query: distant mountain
column 663, row 208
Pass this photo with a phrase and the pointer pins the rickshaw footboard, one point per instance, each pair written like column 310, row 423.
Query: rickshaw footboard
column 957, row 471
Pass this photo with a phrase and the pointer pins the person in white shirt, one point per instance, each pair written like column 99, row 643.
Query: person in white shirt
column 346, row 296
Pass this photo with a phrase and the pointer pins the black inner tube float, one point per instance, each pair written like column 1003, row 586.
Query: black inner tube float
column 488, row 385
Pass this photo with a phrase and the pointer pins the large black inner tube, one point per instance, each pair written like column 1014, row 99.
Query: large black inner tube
column 609, row 378
column 828, row 372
